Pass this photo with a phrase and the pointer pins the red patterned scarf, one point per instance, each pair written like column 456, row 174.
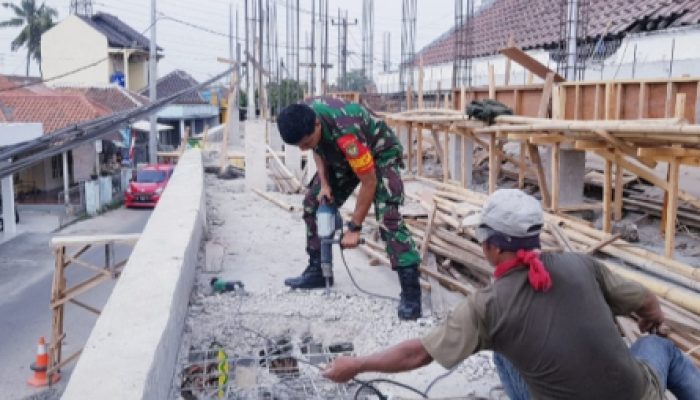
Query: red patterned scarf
column 537, row 275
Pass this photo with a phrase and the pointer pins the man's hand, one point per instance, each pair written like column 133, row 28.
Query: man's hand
column 325, row 192
column 342, row 369
column 650, row 315
column 350, row 239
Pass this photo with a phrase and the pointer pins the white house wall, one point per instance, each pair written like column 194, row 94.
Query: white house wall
column 70, row 45
column 84, row 160
column 653, row 60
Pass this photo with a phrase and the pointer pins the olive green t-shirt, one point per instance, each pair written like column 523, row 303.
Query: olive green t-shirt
column 564, row 341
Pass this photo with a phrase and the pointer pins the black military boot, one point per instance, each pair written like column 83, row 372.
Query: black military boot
column 410, row 305
column 311, row 278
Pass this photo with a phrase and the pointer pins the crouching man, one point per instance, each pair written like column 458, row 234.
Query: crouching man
column 549, row 320
column 351, row 147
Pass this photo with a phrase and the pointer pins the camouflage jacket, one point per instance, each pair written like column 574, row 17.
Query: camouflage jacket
column 352, row 139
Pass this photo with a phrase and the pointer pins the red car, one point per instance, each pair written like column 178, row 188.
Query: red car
column 148, row 185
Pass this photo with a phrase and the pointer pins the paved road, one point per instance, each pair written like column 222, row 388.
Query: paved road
column 26, row 272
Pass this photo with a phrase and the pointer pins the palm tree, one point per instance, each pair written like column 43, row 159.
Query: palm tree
column 35, row 21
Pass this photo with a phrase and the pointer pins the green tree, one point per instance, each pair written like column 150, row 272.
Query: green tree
column 280, row 94
column 355, row 81
column 34, row 22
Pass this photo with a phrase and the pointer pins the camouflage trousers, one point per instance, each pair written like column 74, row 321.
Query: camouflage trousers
column 388, row 197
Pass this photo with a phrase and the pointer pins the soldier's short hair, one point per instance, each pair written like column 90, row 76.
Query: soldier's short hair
column 296, row 121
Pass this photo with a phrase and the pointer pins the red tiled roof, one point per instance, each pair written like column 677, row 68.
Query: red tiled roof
column 537, row 23
column 52, row 111
column 114, row 99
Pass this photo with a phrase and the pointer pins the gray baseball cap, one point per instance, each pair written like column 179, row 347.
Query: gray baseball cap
column 508, row 211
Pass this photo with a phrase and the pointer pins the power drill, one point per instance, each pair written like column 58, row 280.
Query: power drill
column 328, row 222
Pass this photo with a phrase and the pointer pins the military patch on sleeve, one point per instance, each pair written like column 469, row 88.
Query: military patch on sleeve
column 358, row 155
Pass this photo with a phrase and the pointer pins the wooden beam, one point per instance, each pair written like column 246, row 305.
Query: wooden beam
column 555, row 160
column 672, row 207
column 609, row 103
column 670, row 97
column 493, row 159
column 419, row 149
column 529, row 63
column 618, row 101
column 421, row 76
column 680, row 105
column 619, row 176
column 607, row 197
column 643, row 101
column 596, row 102
column 506, row 78
column 623, row 147
column 410, row 147
column 428, row 232
column 522, row 166
column 446, row 156
column 492, row 82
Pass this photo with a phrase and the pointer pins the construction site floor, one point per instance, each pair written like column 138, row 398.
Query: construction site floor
column 263, row 244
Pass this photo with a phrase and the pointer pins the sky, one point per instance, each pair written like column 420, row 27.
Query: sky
column 195, row 50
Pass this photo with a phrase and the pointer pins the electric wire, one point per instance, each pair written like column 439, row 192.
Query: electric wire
column 438, row 379
column 352, row 278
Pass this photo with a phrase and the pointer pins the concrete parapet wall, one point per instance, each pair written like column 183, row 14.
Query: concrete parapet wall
column 132, row 349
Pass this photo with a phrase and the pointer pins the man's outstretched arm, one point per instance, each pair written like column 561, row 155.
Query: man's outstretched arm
column 405, row 356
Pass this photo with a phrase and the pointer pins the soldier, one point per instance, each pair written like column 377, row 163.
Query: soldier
column 352, row 147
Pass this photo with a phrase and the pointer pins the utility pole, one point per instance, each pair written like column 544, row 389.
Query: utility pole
column 312, row 61
column 230, row 31
column 368, row 38
column 297, row 45
column 247, row 63
column 387, row 51
column 342, row 24
column 152, row 97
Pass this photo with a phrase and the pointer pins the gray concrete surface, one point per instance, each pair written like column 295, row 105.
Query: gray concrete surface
column 26, row 272
column 131, row 351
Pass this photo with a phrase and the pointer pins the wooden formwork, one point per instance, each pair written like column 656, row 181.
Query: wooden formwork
column 68, row 251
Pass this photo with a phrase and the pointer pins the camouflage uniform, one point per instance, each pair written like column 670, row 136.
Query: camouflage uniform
column 354, row 142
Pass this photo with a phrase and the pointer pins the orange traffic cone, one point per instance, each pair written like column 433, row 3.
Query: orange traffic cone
column 40, row 366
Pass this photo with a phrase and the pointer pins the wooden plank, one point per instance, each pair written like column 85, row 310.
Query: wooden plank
column 62, row 241
column 462, row 99
column 680, row 105
column 555, row 160
column 667, row 152
column 623, row 147
column 670, row 97
column 672, row 207
column 419, row 149
column 409, row 162
column 492, row 82
column 529, row 63
column 522, row 167
column 421, row 76
column 446, row 157
column 597, row 100
column 643, row 100
column 619, row 172
column 493, row 159
column 578, row 103
column 602, row 244
column 534, row 154
column 506, row 78
column 607, row 197
column 618, row 101
column 609, row 101
column 428, row 232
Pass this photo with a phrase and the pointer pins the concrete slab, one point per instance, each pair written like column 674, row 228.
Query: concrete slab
column 132, row 349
